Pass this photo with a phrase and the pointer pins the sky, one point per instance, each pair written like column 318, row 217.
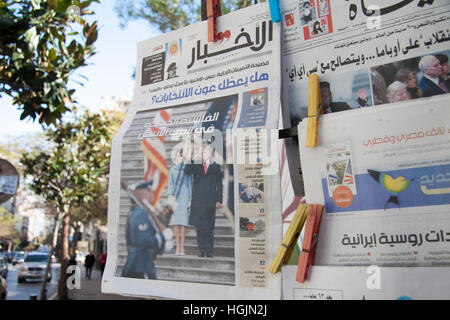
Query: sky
column 109, row 70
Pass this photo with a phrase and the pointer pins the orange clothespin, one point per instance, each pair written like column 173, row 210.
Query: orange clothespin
column 213, row 11
column 314, row 110
column 310, row 239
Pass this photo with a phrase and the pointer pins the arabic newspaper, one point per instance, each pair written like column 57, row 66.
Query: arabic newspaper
column 366, row 53
column 196, row 160
column 383, row 175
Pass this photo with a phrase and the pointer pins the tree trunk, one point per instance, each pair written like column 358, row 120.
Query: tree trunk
column 62, row 285
column 43, row 295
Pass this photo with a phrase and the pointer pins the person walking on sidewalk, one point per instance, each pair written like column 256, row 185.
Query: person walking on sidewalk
column 88, row 263
column 103, row 261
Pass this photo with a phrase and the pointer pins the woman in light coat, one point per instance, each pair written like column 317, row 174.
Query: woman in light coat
column 180, row 190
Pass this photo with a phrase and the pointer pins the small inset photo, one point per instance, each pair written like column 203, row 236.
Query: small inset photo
column 251, row 192
column 307, row 12
column 318, row 28
column 257, row 99
column 251, row 227
column 336, row 172
column 324, row 7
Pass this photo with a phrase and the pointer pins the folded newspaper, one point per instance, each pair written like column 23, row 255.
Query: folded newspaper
column 196, row 155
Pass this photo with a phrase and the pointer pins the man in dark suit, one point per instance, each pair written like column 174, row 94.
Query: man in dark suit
column 429, row 84
column 206, row 198
column 327, row 97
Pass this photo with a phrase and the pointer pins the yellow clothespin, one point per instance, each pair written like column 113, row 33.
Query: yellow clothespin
column 314, row 109
column 290, row 239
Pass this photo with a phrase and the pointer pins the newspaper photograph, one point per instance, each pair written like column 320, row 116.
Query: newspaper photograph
column 194, row 197
column 366, row 53
column 394, row 209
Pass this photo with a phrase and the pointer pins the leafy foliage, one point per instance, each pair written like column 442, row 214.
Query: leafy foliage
column 74, row 172
column 40, row 47
column 7, row 222
column 169, row 15
column 71, row 175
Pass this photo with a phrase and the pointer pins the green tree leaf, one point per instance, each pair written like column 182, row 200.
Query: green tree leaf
column 35, row 51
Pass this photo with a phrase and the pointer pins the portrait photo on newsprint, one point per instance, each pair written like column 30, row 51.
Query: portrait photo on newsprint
column 177, row 179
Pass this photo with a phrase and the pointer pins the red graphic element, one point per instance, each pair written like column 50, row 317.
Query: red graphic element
column 289, row 19
column 342, row 196
column 348, row 179
column 415, row 252
column 368, row 253
column 221, row 36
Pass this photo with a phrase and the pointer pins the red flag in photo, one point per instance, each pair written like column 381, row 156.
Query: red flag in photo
column 348, row 176
column 155, row 163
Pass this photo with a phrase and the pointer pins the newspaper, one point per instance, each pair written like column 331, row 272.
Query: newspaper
column 194, row 194
column 383, row 175
column 366, row 53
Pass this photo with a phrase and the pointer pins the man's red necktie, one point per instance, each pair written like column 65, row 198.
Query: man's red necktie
column 205, row 167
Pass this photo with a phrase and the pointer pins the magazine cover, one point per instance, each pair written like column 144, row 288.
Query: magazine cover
column 194, row 196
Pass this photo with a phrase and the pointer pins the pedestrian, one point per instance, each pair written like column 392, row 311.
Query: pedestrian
column 89, row 263
column 103, row 261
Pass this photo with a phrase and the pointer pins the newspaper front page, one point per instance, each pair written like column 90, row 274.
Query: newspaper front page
column 194, row 194
column 366, row 53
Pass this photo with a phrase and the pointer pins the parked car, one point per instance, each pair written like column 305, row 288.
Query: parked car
column 3, row 288
column 18, row 258
column 3, row 266
column 34, row 267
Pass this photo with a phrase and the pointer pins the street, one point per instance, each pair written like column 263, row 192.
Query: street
column 22, row 291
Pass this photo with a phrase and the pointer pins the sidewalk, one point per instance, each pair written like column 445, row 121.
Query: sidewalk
column 91, row 289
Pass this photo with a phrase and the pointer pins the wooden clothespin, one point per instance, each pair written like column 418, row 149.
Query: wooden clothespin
column 213, row 10
column 310, row 239
column 314, row 110
column 290, row 239
column 275, row 14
